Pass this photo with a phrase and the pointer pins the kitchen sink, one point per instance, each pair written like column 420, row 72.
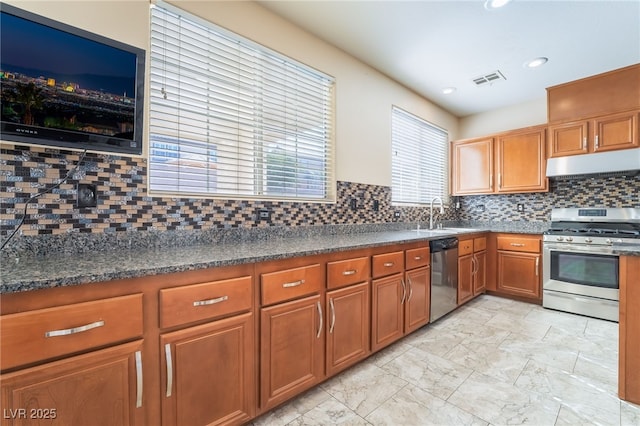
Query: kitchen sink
column 440, row 231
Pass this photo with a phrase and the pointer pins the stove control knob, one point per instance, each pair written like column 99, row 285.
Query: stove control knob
column 619, row 240
column 588, row 240
column 559, row 239
column 608, row 241
column 569, row 239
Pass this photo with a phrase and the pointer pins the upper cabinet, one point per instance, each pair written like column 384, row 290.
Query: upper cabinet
column 510, row 162
column 595, row 114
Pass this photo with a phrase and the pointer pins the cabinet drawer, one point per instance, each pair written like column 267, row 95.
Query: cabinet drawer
column 387, row 264
column 415, row 258
column 479, row 244
column 465, row 247
column 529, row 245
column 290, row 283
column 32, row 336
column 182, row 305
column 346, row 272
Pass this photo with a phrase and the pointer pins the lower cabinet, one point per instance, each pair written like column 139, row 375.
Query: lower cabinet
column 387, row 320
column 519, row 266
column 291, row 349
column 472, row 268
column 102, row 387
column 348, row 317
column 208, row 373
column 417, row 303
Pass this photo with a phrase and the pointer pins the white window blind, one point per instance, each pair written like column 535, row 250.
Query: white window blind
column 229, row 117
column 419, row 165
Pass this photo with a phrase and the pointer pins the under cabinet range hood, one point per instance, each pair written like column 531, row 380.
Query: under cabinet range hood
column 612, row 163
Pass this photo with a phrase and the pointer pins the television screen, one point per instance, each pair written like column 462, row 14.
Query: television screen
column 66, row 87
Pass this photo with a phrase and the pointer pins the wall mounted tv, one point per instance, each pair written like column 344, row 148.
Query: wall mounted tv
column 66, row 87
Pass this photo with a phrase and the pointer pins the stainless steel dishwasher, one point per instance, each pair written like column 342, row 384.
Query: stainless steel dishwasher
column 444, row 276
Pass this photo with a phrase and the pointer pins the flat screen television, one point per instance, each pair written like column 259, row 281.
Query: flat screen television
column 66, row 87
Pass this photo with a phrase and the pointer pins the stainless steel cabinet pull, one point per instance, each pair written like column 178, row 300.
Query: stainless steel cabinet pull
column 499, row 180
column 210, row 301
column 584, row 143
column 537, row 265
column 596, row 141
column 491, row 180
column 74, row 330
column 404, row 291
column 517, row 244
column 350, row 272
column 417, row 258
column 333, row 316
column 388, row 264
column 410, row 289
column 167, row 355
column 474, row 265
column 138, row 379
column 321, row 322
column 293, row 284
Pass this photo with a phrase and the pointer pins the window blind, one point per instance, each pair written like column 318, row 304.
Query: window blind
column 419, row 165
column 229, row 117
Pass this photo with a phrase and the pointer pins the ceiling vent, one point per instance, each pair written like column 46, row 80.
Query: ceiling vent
column 490, row 78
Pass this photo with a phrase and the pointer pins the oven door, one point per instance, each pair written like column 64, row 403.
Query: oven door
column 581, row 270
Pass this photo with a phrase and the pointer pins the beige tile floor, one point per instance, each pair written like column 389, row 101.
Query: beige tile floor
column 493, row 361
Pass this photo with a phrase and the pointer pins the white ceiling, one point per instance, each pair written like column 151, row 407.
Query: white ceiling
column 429, row 45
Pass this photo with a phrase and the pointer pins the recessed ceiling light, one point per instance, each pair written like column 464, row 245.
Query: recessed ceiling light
column 448, row 90
column 537, row 62
column 495, row 4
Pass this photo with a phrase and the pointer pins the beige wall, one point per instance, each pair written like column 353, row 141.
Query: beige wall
column 526, row 114
column 364, row 97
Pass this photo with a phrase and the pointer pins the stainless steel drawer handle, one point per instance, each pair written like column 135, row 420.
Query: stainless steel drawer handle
column 321, row 321
column 210, row 301
column 350, row 272
column 293, row 284
column 517, row 244
column 167, row 354
column 138, row 379
column 333, row 316
column 417, row 258
column 74, row 330
column 388, row 264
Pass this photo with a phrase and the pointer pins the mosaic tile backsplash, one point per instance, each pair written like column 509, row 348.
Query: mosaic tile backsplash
column 125, row 207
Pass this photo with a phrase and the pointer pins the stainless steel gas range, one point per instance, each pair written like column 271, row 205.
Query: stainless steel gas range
column 580, row 271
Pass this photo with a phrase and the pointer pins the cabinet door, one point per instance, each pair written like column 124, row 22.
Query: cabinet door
column 465, row 278
column 520, row 162
column 291, row 349
column 480, row 275
column 99, row 388
column 472, row 168
column 519, row 274
column 208, row 374
column 348, row 323
column 617, row 131
column 387, row 311
column 417, row 305
column 568, row 139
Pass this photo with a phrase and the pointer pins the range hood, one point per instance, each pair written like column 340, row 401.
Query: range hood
column 612, row 163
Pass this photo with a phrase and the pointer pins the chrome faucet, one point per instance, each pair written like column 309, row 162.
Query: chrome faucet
column 431, row 211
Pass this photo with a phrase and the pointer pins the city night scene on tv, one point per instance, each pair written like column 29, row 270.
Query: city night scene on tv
column 58, row 80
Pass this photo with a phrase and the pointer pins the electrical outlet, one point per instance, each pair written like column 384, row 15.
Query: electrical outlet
column 376, row 205
column 87, row 195
column 396, row 215
column 480, row 207
column 264, row 214
column 520, row 207
column 354, row 204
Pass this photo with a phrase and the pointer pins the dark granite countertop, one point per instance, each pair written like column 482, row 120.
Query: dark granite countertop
column 28, row 272
column 626, row 249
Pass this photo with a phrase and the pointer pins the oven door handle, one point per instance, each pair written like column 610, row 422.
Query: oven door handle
column 603, row 250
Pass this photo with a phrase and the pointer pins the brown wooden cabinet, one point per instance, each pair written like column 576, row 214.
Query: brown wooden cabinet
column 291, row 349
column 521, row 161
column 472, row 267
column 629, row 330
column 472, row 166
column 208, row 373
column 387, row 316
column 208, row 370
column 418, row 288
column 519, row 266
column 510, row 162
column 103, row 387
column 605, row 133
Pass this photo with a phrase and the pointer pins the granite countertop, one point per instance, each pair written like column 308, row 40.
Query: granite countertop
column 626, row 249
column 26, row 273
